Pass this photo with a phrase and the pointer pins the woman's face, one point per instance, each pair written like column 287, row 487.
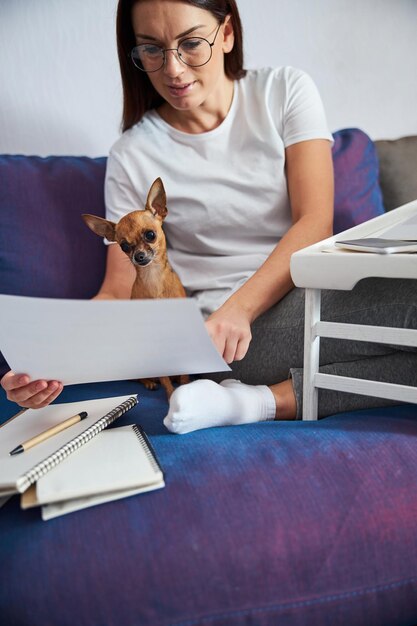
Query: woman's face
column 167, row 23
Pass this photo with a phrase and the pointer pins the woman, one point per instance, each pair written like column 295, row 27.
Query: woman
column 246, row 161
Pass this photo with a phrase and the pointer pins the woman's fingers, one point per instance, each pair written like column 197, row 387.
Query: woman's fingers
column 36, row 394
column 236, row 348
column 233, row 345
column 12, row 381
column 242, row 348
column 47, row 396
column 230, row 350
column 30, row 394
column 231, row 340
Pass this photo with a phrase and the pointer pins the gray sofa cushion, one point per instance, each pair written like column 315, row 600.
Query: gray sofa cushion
column 398, row 170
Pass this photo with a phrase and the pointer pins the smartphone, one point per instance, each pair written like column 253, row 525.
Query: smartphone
column 380, row 246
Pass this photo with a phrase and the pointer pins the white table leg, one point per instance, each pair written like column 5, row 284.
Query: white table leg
column 311, row 353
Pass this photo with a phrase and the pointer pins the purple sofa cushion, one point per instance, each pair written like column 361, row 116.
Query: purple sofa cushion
column 45, row 248
column 270, row 524
column 358, row 196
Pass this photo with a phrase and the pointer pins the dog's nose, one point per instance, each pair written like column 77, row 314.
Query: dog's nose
column 140, row 257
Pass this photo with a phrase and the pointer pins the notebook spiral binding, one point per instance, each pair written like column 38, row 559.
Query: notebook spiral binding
column 54, row 459
column 147, row 447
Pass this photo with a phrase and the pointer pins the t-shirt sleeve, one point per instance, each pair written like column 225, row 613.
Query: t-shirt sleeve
column 120, row 195
column 303, row 111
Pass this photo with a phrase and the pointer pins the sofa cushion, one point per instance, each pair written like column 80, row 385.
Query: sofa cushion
column 358, row 196
column 398, row 170
column 46, row 250
column 276, row 523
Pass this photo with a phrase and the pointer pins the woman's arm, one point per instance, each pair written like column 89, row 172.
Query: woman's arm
column 119, row 277
column 309, row 171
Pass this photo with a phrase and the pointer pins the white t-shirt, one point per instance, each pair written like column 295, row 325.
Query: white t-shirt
column 226, row 189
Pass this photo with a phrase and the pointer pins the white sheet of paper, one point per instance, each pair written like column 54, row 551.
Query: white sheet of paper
column 80, row 341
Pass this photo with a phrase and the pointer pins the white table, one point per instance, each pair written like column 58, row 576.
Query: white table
column 321, row 266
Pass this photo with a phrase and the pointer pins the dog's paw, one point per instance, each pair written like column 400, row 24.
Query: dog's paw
column 149, row 383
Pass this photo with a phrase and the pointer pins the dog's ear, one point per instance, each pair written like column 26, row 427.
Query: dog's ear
column 156, row 201
column 100, row 226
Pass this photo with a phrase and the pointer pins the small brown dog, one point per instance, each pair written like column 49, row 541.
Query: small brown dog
column 141, row 237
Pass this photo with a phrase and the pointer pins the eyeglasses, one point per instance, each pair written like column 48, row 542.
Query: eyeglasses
column 193, row 51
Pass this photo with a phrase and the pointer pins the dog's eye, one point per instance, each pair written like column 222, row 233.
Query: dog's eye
column 125, row 247
column 150, row 236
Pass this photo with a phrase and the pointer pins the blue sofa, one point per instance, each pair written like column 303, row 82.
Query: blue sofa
column 284, row 523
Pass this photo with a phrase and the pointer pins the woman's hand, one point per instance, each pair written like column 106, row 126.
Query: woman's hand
column 30, row 394
column 229, row 328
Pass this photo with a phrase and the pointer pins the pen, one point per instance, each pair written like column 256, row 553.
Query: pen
column 48, row 433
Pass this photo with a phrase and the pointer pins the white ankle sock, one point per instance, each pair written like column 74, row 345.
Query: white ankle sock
column 204, row 403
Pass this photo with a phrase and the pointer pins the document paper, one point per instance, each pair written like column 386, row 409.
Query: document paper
column 80, row 341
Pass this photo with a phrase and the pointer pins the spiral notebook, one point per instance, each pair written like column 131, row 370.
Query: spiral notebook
column 18, row 473
column 120, row 462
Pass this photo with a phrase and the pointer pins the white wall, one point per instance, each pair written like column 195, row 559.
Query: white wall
column 60, row 89
column 361, row 53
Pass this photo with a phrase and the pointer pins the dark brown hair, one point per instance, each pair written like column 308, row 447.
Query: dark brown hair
column 139, row 94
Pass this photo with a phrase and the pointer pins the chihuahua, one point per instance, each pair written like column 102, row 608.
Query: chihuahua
column 141, row 237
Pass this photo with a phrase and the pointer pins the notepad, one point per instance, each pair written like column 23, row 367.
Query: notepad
column 119, row 463
column 18, row 473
